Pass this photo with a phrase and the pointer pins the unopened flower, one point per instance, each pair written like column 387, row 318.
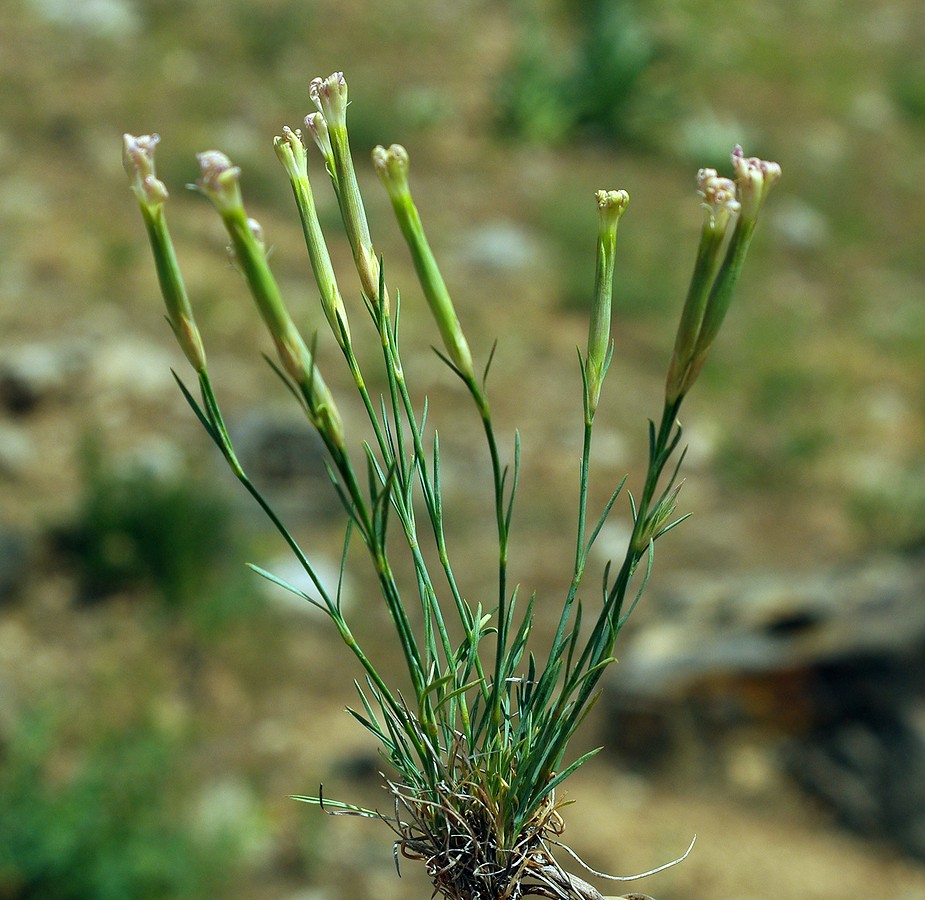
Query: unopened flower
column 291, row 152
column 719, row 198
column 138, row 159
column 713, row 283
column 330, row 96
column 318, row 128
column 611, row 206
column 219, row 180
column 755, row 178
column 392, row 167
column 329, row 128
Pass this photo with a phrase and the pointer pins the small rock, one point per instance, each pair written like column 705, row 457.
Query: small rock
column 285, row 458
column 828, row 667
column 31, row 373
column 108, row 18
column 865, row 757
column 228, row 811
column 16, row 449
column 766, row 623
column 800, row 225
column 133, row 367
column 499, row 247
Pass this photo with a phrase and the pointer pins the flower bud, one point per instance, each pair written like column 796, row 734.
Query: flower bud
column 330, row 96
column 713, row 284
column 291, row 152
column 329, row 128
column 719, row 199
column 220, row 183
column 721, row 208
column 392, row 167
column 318, row 128
column 754, row 178
column 611, row 206
column 219, row 180
column 138, row 159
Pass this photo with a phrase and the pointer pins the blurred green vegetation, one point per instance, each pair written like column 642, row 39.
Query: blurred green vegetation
column 892, row 512
column 908, row 86
column 107, row 821
column 586, row 85
column 171, row 536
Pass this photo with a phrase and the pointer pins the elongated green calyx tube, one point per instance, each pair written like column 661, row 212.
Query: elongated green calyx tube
column 219, row 181
column 330, row 132
column 720, row 211
column 138, row 159
column 392, row 168
column 611, row 206
column 291, row 152
column 754, row 179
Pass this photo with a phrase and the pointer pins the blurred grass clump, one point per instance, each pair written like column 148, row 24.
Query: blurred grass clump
column 908, row 87
column 108, row 825
column 588, row 85
column 891, row 513
column 169, row 534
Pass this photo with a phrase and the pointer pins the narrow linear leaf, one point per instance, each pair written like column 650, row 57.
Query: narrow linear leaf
column 206, row 424
column 286, row 586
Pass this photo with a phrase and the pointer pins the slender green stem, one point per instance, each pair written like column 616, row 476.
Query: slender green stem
column 601, row 641
column 220, row 434
column 403, row 410
column 502, row 519
column 434, row 506
column 581, row 551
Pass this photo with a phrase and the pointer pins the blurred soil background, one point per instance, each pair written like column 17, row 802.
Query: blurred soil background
column 158, row 705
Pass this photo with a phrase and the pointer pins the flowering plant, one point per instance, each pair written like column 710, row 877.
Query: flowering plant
column 479, row 749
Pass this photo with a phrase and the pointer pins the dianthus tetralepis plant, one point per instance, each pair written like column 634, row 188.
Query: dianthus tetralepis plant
column 477, row 744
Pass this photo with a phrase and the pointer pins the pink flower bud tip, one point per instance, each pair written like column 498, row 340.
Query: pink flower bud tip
column 755, row 178
column 138, row 160
column 719, row 197
column 218, row 180
column 318, row 127
column 330, row 96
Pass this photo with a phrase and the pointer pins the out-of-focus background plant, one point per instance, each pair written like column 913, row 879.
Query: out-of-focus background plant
column 766, row 710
